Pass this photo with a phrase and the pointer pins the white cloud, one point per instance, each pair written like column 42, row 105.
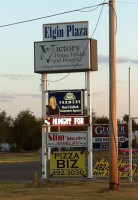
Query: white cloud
column 7, row 97
column 97, row 94
column 28, row 95
column 121, row 60
column 17, row 76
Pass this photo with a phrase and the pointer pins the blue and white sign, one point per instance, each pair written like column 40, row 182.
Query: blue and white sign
column 65, row 31
column 68, row 102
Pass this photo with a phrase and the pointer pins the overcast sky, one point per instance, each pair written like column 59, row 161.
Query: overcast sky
column 20, row 87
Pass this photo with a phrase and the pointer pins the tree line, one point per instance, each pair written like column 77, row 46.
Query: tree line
column 23, row 133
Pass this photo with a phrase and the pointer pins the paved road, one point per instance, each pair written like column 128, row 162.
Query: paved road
column 19, row 172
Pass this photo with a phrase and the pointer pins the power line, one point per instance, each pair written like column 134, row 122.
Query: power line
column 5, row 88
column 54, row 15
column 67, row 12
column 126, row 2
column 90, row 10
column 98, row 18
column 85, row 47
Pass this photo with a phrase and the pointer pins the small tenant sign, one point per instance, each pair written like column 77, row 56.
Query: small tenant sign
column 68, row 102
column 66, row 121
column 67, row 164
column 67, row 139
column 101, row 136
column 101, row 168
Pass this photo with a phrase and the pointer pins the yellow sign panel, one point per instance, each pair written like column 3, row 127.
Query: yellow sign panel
column 67, row 164
column 101, row 167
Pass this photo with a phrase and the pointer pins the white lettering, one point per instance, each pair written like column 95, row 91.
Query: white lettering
column 61, row 121
column 98, row 130
column 78, row 120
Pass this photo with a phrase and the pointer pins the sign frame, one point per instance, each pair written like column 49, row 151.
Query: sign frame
column 66, row 31
column 63, row 56
column 101, row 168
column 66, row 121
column 67, row 139
column 67, row 164
column 101, row 138
column 70, row 102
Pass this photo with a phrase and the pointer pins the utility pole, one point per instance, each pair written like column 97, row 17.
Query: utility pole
column 113, row 137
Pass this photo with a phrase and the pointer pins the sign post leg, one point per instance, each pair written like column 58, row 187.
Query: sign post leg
column 44, row 156
column 89, row 112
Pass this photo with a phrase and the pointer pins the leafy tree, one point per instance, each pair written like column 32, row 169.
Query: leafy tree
column 125, row 118
column 99, row 120
column 26, row 132
column 134, row 124
column 5, row 127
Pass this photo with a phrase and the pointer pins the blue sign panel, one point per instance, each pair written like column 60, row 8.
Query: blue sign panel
column 65, row 102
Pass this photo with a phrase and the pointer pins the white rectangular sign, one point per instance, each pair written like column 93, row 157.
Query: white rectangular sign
column 62, row 56
column 65, row 31
column 67, row 139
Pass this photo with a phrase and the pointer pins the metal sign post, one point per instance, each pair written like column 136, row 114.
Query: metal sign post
column 130, row 131
column 89, row 112
column 44, row 156
column 130, row 147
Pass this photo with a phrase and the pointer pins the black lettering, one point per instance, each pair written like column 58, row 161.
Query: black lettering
column 67, row 163
column 107, row 174
column 70, row 154
column 64, row 155
column 76, row 156
column 73, row 164
column 56, row 155
column 60, row 164
column 62, row 172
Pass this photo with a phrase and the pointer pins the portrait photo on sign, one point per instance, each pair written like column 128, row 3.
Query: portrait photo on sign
column 70, row 102
column 52, row 108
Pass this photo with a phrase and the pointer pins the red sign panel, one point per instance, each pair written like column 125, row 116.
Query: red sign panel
column 101, row 136
column 66, row 121
column 125, row 168
column 102, row 130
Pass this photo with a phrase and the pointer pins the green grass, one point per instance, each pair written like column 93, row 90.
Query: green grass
column 9, row 183
column 6, row 158
column 66, row 190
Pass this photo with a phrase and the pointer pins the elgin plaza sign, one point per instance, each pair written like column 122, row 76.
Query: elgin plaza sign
column 66, row 48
